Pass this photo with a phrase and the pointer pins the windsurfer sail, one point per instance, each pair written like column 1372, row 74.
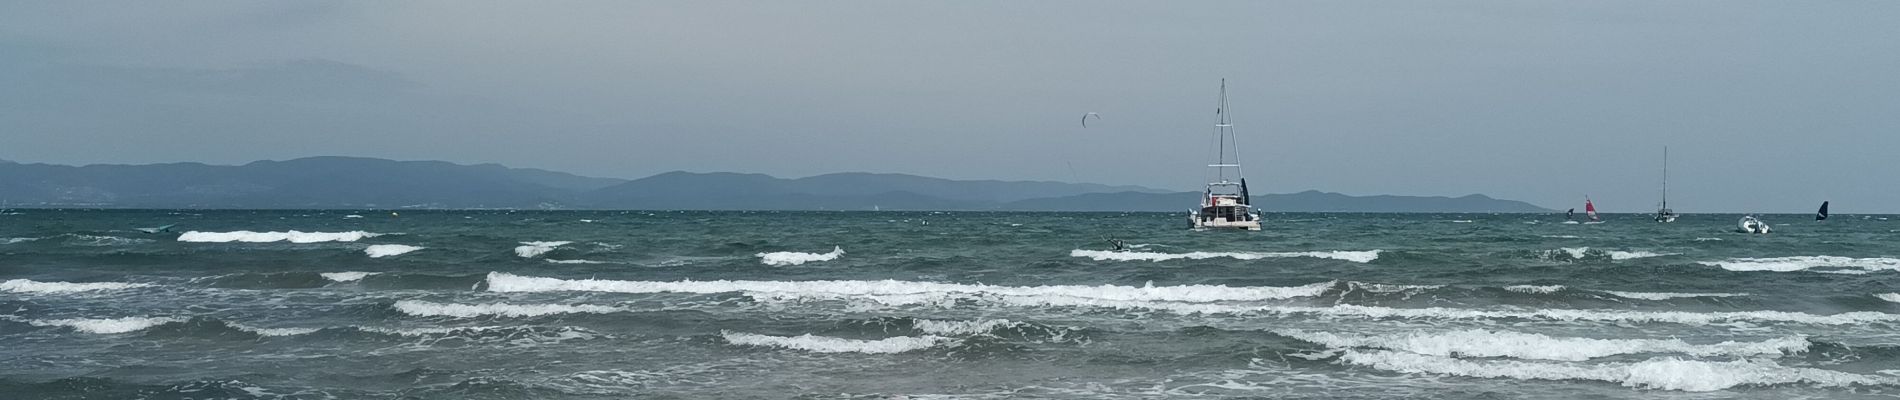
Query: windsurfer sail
column 1821, row 215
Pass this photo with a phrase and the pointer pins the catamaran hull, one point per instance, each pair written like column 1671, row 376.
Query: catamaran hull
column 1236, row 225
column 1751, row 225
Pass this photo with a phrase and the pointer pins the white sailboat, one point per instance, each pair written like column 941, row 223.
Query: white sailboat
column 1663, row 213
column 1225, row 204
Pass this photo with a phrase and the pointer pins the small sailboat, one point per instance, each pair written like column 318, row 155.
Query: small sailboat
column 1663, row 213
column 1590, row 210
column 1749, row 224
column 1225, row 204
column 1821, row 215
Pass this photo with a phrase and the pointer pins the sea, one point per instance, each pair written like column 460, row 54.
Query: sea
column 417, row 304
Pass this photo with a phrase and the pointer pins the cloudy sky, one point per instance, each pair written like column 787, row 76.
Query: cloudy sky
column 1766, row 106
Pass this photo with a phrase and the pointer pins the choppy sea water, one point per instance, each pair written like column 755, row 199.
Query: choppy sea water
column 497, row 304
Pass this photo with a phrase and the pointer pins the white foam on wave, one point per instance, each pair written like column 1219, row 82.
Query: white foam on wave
column 937, row 327
column 31, row 286
column 431, row 309
column 505, row 282
column 1893, row 297
column 1701, row 239
column 1668, row 295
column 823, row 344
column 782, row 258
column 1666, row 373
column 1388, row 288
column 1535, row 289
column 352, row 216
column 1627, row 255
column 1798, row 263
column 276, row 331
column 17, row 240
column 554, row 261
column 105, row 325
column 1561, row 236
column 266, row 237
column 389, row 250
column 1579, row 253
column 1103, row 255
column 346, row 276
column 1486, row 343
column 533, row 249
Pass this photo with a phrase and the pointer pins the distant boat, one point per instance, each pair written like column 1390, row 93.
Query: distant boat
column 1663, row 213
column 1590, row 209
column 1225, row 204
column 1749, row 224
column 1821, row 215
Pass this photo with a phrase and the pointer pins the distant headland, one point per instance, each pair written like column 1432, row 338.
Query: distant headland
column 370, row 183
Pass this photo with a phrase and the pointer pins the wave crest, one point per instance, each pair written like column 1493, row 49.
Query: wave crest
column 1668, row 373
column 1800, row 263
column 30, row 286
column 534, row 249
column 823, row 344
column 431, row 309
column 389, row 250
column 783, row 258
column 1485, row 343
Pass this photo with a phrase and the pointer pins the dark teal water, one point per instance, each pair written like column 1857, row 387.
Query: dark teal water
column 941, row 305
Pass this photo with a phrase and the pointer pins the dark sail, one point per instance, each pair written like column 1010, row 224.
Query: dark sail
column 1245, row 198
column 1821, row 215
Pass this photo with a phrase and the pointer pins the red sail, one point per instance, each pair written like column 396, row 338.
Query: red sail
column 1588, row 207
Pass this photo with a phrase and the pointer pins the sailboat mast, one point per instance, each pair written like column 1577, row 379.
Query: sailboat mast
column 1225, row 141
column 1665, row 181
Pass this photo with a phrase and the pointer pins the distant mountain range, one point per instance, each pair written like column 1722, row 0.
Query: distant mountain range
column 349, row 182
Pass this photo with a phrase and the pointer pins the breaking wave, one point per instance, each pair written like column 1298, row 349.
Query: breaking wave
column 30, row 286
column 922, row 291
column 389, row 250
column 781, row 258
column 533, row 249
column 554, row 261
column 1103, row 255
column 1893, row 297
column 1583, row 253
column 1667, row 296
column 822, row 344
column 265, row 237
column 1667, row 373
column 1486, row 343
column 1535, row 289
column 1799, row 263
column 104, row 325
column 348, row 276
column 432, row 309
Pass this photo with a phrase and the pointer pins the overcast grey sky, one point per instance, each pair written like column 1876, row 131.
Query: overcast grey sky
column 1767, row 106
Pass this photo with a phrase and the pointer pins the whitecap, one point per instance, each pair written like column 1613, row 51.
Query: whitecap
column 1667, row 373
column 276, row 331
column 1798, row 263
column 1561, row 236
column 554, row 261
column 17, row 240
column 389, row 250
column 347, row 276
column 532, row 249
column 1668, row 295
column 265, row 237
column 30, row 286
column 1893, row 297
column 823, row 344
column 1487, row 343
column 1703, row 239
column 1535, row 289
column 1103, row 255
column 105, row 325
column 937, row 327
column 431, row 309
column 505, row 282
column 352, row 216
column 1626, row 255
column 781, row 258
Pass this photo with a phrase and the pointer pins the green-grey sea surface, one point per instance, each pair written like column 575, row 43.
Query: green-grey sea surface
column 874, row 305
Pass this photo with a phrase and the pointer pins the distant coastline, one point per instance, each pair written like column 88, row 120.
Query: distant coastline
column 370, row 183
